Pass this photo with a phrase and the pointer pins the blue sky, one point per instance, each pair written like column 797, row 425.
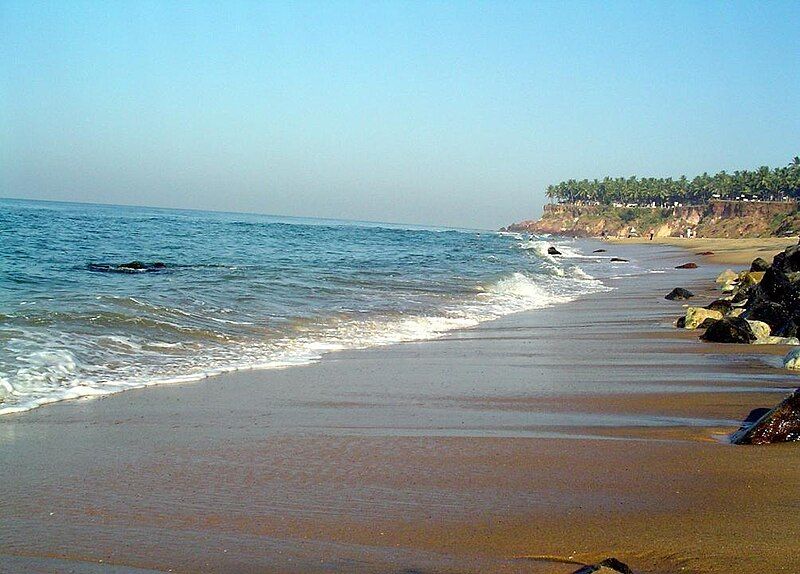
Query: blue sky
column 445, row 113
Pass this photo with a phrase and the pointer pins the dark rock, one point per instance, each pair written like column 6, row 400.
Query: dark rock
column 599, row 251
column 707, row 322
column 781, row 424
column 706, row 253
column 776, row 287
column 553, row 251
column 690, row 265
column 759, row 264
column 135, row 265
column 620, row 260
column 788, row 260
column 729, row 330
column 681, row 322
column 679, row 293
column 773, row 314
column 721, row 305
column 607, row 565
column 130, row 267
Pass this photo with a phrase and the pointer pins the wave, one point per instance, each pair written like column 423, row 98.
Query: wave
column 138, row 359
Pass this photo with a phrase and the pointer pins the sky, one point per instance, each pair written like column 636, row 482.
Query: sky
column 441, row 113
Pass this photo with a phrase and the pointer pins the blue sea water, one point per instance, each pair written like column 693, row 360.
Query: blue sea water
column 239, row 291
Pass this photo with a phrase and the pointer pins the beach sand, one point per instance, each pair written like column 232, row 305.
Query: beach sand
column 573, row 433
column 725, row 251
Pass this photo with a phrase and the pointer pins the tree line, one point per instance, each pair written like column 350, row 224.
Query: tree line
column 762, row 184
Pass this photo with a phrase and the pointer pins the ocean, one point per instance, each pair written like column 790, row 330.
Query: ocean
column 97, row 299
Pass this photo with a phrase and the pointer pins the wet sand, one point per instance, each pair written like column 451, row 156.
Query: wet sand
column 587, row 430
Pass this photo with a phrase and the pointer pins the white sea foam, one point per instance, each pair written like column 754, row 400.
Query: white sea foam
column 55, row 375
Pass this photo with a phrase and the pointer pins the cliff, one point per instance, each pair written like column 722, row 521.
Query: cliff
column 715, row 219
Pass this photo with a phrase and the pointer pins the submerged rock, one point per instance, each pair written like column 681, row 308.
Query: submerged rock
column 781, row 424
column 706, row 253
column 130, row 267
column 607, row 566
column 618, row 259
column 689, row 265
column 553, row 251
column 696, row 315
column 729, row 330
column 599, row 251
column 679, row 293
column 759, row 264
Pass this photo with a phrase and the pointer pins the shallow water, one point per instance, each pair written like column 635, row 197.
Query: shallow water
column 216, row 292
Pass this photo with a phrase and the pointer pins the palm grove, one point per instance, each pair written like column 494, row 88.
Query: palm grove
column 763, row 184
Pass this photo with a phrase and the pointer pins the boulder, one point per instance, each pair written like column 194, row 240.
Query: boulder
column 678, row 294
column 607, row 566
column 781, row 424
column 772, row 340
column 736, row 312
column 696, row 315
column 759, row 264
column 681, row 322
column 618, row 259
column 788, row 260
column 760, row 329
column 792, row 360
column 690, row 265
column 773, row 314
column 720, row 305
column 707, row 322
column 775, row 286
column 599, row 251
column 553, row 251
column 729, row 330
column 726, row 276
column 750, row 278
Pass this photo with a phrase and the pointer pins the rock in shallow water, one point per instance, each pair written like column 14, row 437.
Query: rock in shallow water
column 689, row 265
column 729, row 330
column 618, row 259
column 781, row 424
column 553, row 251
column 727, row 276
column 678, row 294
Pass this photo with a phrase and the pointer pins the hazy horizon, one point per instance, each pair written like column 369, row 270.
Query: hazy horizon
column 446, row 114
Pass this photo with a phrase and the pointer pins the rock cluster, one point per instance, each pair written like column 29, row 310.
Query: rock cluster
column 761, row 305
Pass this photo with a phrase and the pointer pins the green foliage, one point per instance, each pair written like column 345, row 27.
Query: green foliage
column 763, row 184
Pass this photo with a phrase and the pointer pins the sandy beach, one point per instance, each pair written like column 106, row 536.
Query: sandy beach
column 529, row 444
column 727, row 251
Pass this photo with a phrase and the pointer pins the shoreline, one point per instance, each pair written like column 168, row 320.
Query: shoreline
column 398, row 466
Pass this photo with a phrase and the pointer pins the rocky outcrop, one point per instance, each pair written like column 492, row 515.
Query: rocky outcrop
column 716, row 219
column 781, row 424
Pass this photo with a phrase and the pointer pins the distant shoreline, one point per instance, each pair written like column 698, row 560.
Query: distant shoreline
column 722, row 251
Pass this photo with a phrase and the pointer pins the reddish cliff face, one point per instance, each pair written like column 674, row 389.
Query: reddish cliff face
column 717, row 219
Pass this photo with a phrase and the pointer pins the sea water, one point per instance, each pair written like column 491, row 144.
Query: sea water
column 215, row 292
